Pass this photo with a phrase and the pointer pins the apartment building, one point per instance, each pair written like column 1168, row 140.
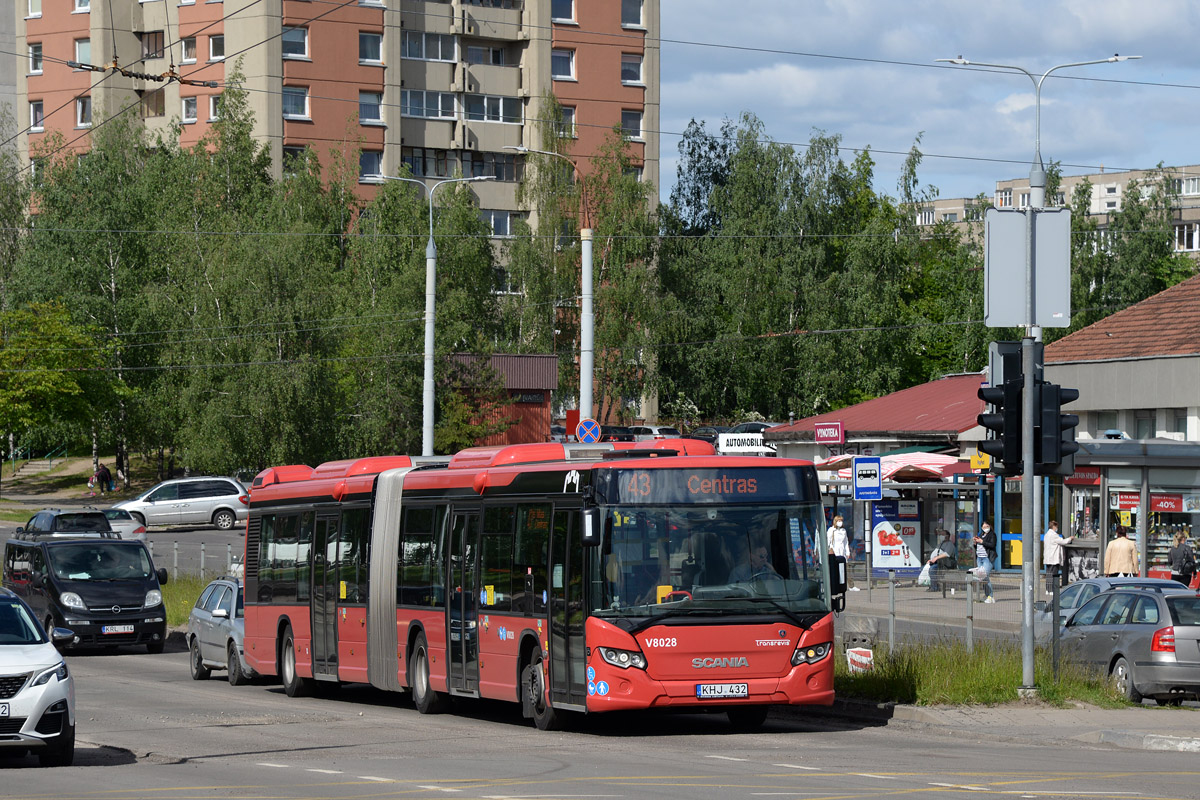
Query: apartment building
column 440, row 86
column 8, row 65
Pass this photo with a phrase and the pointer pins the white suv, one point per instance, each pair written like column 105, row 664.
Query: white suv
column 37, row 694
column 222, row 502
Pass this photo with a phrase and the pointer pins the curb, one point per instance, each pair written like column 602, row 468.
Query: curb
column 1131, row 740
column 872, row 712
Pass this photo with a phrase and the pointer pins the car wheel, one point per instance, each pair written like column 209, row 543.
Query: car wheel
column 545, row 716
column 155, row 647
column 199, row 671
column 747, row 718
column 224, row 519
column 425, row 698
column 62, row 752
column 1122, row 677
column 293, row 684
column 233, row 667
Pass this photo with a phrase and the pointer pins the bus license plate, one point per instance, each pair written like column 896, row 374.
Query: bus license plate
column 3, row 709
column 117, row 629
column 705, row 691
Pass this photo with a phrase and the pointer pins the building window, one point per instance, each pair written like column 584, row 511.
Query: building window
column 83, row 112
column 562, row 10
column 424, row 46
column 1110, row 205
column 426, row 162
column 370, row 48
column 925, row 216
column 214, row 107
column 189, row 49
column 293, row 160
column 1190, row 186
column 490, row 108
column 1004, row 198
column 83, row 51
column 1106, row 421
column 1023, row 200
column 950, row 216
column 152, row 44
column 36, row 118
column 35, row 9
column 153, row 103
column 1185, row 237
column 631, row 124
column 295, row 42
column 566, row 128
column 499, row 221
column 431, row 105
column 1110, row 189
column 1144, row 424
column 370, row 165
column 35, row 59
column 189, row 109
column 502, row 166
column 295, row 102
column 82, row 6
column 370, row 107
column 216, row 48
column 562, row 64
column 631, row 13
column 1179, row 421
column 631, row 68
column 491, row 56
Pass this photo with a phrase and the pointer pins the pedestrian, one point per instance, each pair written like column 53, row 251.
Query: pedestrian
column 1053, row 556
column 1121, row 556
column 941, row 559
column 839, row 545
column 104, row 478
column 985, row 554
column 1182, row 560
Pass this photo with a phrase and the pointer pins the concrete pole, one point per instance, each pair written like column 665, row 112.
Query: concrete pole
column 430, row 300
column 586, row 328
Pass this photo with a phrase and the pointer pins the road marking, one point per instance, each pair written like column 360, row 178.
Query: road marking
column 325, row 771
column 728, row 758
column 961, row 786
column 439, row 788
column 871, row 775
column 373, row 778
column 794, row 766
column 275, row 766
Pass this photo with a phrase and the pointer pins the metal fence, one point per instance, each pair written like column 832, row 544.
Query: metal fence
column 195, row 558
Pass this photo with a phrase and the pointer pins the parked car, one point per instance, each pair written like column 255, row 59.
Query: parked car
column 752, row 427
column 708, row 433
column 1148, row 641
column 558, row 433
column 615, row 433
column 223, row 502
column 37, row 692
column 124, row 525
column 72, row 523
column 645, row 433
column 105, row 590
column 1076, row 594
column 216, row 632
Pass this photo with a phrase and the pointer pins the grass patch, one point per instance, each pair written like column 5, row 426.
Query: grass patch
column 179, row 595
column 946, row 673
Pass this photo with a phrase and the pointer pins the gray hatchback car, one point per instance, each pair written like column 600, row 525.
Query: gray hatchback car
column 216, row 632
column 1147, row 641
column 222, row 502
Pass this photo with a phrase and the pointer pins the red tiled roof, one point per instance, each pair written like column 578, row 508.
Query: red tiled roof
column 1165, row 324
column 948, row 405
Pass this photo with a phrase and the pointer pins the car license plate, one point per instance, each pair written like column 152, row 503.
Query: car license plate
column 3, row 709
column 117, row 629
column 705, row 691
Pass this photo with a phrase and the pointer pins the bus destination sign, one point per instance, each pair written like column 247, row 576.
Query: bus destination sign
column 711, row 485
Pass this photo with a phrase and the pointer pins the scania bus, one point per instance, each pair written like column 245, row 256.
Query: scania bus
column 563, row 577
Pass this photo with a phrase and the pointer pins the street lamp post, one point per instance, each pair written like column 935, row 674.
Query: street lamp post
column 430, row 298
column 586, row 316
column 1033, row 333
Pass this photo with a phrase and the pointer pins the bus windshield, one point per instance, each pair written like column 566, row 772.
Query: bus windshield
column 745, row 559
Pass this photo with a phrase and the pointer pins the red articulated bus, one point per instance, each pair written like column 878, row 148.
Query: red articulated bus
column 564, row 577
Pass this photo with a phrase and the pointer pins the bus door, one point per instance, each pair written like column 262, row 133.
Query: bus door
column 463, row 612
column 568, row 680
column 325, row 595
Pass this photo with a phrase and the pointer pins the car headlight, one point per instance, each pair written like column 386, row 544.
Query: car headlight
column 59, row 671
column 153, row 598
column 811, row 654
column 623, row 658
column 72, row 600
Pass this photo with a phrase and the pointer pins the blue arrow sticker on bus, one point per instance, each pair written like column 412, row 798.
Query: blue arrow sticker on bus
column 591, row 687
column 483, row 597
column 602, row 688
column 591, row 673
column 544, row 597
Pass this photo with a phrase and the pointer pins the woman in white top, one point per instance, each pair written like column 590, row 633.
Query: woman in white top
column 839, row 545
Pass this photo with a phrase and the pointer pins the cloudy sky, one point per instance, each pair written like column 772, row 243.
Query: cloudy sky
column 864, row 69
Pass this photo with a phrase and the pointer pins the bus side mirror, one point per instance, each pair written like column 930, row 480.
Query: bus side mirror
column 837, row 582
column 591, row 527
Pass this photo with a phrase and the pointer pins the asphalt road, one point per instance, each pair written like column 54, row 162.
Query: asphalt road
column 146, row 730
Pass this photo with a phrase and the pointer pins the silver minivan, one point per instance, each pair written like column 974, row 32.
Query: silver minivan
column 222, row 502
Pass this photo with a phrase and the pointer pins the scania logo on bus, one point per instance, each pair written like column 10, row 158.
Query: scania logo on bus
column 713, row 663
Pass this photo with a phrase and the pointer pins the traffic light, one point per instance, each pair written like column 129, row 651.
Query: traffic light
column 1055, row 441
column 1004, row 423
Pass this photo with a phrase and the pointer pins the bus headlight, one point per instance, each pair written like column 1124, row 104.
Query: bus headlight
column 811, row 653
column 622, row 658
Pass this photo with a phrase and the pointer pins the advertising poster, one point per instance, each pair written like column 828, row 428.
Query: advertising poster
column 896, row 537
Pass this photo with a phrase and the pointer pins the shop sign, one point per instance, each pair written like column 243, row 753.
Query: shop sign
column 829, row 433
column 1166, row 502
column 1084, row 476
column 1124, row 501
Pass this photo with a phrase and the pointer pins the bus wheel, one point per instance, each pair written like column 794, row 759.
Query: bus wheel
column 425, row 698
column 532, row 683
column 747, row 718
column 293, row 684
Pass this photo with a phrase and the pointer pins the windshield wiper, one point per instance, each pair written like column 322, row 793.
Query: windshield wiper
column 787, row 612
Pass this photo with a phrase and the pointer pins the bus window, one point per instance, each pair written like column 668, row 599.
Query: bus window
column 283, row 556
column 266, row 554
column 496, row 579
column 304, row 540
column 352, row 555
column 529, row 558
column 414, row 586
